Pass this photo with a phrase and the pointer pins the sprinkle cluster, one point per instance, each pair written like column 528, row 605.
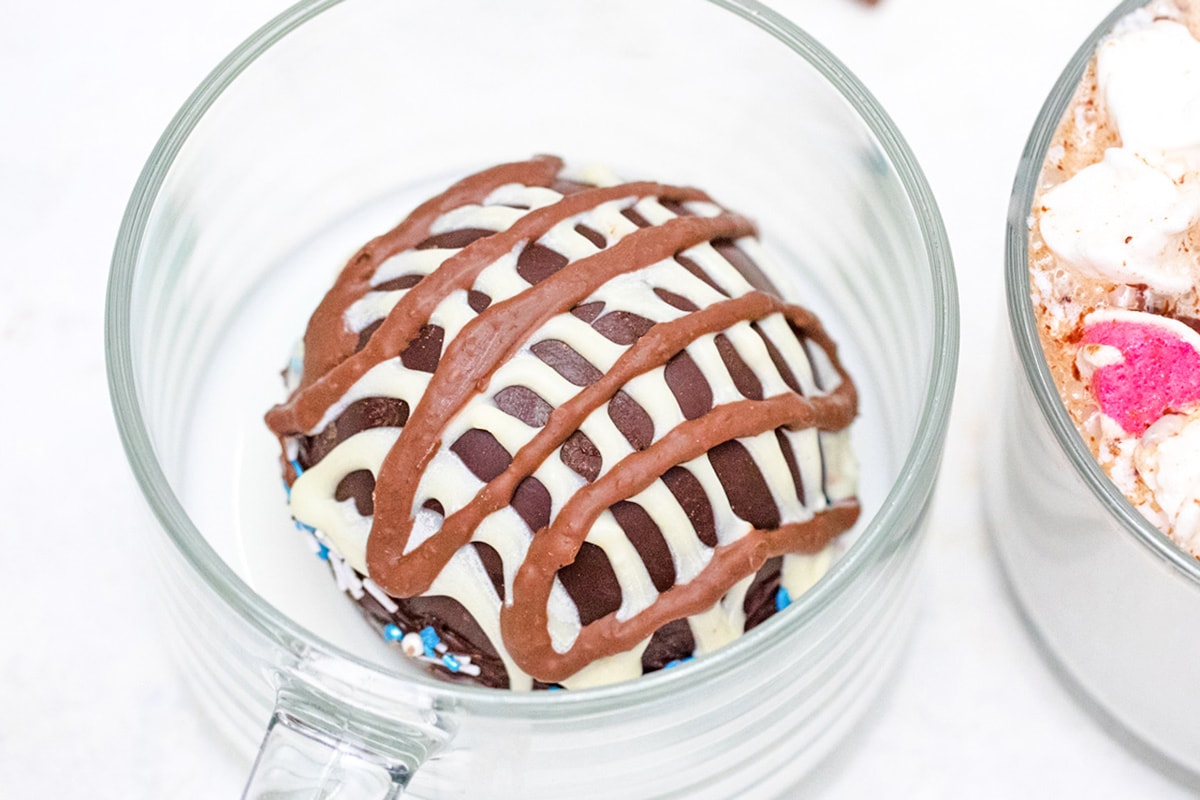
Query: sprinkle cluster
column 424, row 645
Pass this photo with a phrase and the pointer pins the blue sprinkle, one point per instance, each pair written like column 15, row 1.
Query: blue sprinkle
column 392, row 632
column 450, row 662
column 322, row 552
column 430, row 639
column 554, row 688
column 300, row 526
column 296, row 466
column 782, row 599
column 676, row 662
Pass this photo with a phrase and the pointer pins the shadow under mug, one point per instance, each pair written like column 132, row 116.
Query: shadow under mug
column 323, row 129
column 1111, row 601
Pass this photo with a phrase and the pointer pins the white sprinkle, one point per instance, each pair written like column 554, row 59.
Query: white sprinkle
column 373, row 588
column 412, row 646
column 347, row 581
column 339, row 571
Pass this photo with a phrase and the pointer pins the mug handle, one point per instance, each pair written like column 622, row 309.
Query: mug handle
column 315, row 749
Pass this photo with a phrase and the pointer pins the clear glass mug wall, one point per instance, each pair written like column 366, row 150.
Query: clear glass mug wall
column 322, row 131
column 1114, row 603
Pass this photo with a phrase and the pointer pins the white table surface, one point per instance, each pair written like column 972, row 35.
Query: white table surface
column 89, row 703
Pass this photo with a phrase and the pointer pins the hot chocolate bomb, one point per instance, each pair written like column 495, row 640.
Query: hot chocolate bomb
column 567, row 429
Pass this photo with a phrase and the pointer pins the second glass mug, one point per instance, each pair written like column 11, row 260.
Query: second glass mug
column 314, row 136
column 1112, row 601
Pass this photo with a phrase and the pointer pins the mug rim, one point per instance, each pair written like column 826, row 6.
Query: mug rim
column 900, row 510
column 1023, row 321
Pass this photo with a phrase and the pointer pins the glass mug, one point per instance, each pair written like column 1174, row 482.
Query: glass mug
column 1113, row 603
column 322, row 131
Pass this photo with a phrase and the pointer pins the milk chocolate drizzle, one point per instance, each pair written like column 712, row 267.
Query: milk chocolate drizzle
column 492, row 338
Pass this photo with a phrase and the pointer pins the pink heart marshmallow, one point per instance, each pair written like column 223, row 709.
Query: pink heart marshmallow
column 1158, row 371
